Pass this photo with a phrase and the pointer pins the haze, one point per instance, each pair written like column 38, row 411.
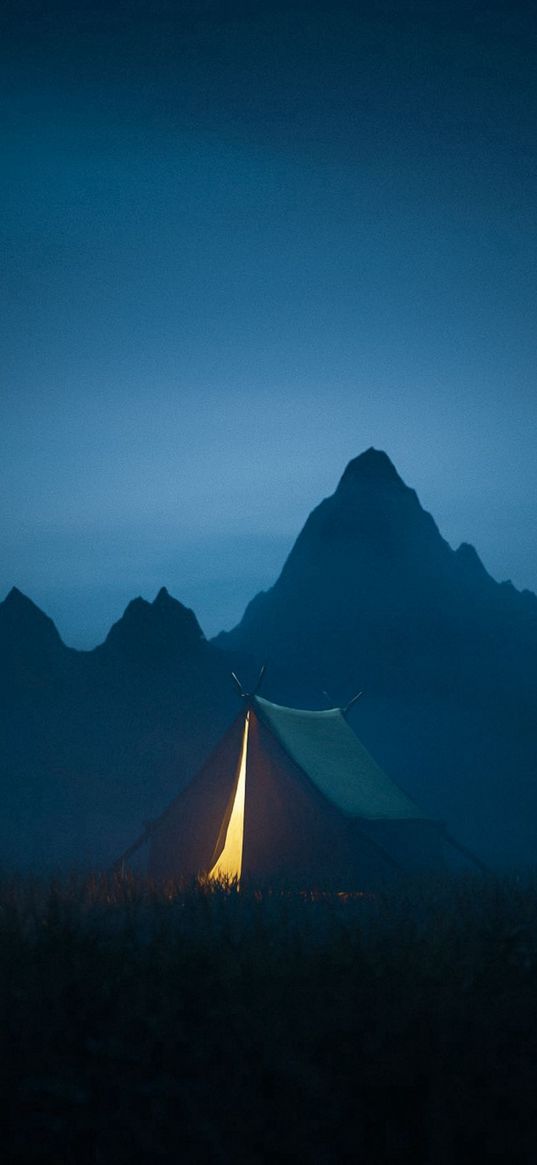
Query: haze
column 241, row 243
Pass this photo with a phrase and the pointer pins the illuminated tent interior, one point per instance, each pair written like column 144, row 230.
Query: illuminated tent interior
column 292, row 794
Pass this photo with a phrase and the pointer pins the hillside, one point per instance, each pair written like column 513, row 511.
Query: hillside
column 95, row 743
column 373, row 597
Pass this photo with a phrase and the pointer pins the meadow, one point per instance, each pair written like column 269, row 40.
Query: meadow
column 199, row 1023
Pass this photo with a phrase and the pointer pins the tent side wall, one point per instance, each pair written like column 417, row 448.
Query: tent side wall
column 421, row 845
column 185, row 840
column 415, row 845
column 292, row 831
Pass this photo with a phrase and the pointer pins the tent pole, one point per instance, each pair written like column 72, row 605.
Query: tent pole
column 350, row 703
column 259, row 679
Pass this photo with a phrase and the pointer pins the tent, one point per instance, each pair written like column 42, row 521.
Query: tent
column 292, row 794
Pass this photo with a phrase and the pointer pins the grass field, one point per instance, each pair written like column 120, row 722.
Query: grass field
column 199, row 1024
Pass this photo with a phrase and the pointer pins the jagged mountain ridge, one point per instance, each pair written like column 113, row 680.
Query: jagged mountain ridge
column 371, row 596
column 366, row 558
column 159, row 632
column 93, row 743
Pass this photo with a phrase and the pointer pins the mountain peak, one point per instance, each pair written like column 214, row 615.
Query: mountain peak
column 17, row 600
column 21, row 610
column 372, row 465
column 467, row 554
column 157, row 631
column 25, row 629
column 163, row 598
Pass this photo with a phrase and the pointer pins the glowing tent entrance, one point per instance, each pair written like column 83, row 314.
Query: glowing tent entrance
column 229, row 864
column 292, row 794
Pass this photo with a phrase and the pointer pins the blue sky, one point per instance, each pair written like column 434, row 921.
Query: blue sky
column 243, row 242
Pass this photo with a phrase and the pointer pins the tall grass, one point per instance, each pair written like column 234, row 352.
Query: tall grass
column 194, row 1023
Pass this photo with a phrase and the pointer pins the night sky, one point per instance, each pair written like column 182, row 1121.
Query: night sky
column 241, row 242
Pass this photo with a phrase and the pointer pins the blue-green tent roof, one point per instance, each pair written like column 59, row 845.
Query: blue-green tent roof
column 324, row 746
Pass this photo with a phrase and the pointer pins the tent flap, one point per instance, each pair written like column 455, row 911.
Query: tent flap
column 327, row 750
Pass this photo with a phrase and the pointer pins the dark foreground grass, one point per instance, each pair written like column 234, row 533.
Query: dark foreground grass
column 204, row 1025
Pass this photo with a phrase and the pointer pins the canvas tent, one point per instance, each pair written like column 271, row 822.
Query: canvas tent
column 292, row 794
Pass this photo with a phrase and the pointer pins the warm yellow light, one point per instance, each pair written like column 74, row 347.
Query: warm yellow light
column 229, row 864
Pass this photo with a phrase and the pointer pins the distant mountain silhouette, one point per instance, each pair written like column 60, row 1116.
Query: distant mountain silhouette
column 31, row 650
column 373, row 597
column 95, row 743
column 158, row 633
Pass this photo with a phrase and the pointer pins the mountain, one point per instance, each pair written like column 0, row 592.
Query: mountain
column 158, row 634
column 32, row 653
column 371, row 596
column 92, row 744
